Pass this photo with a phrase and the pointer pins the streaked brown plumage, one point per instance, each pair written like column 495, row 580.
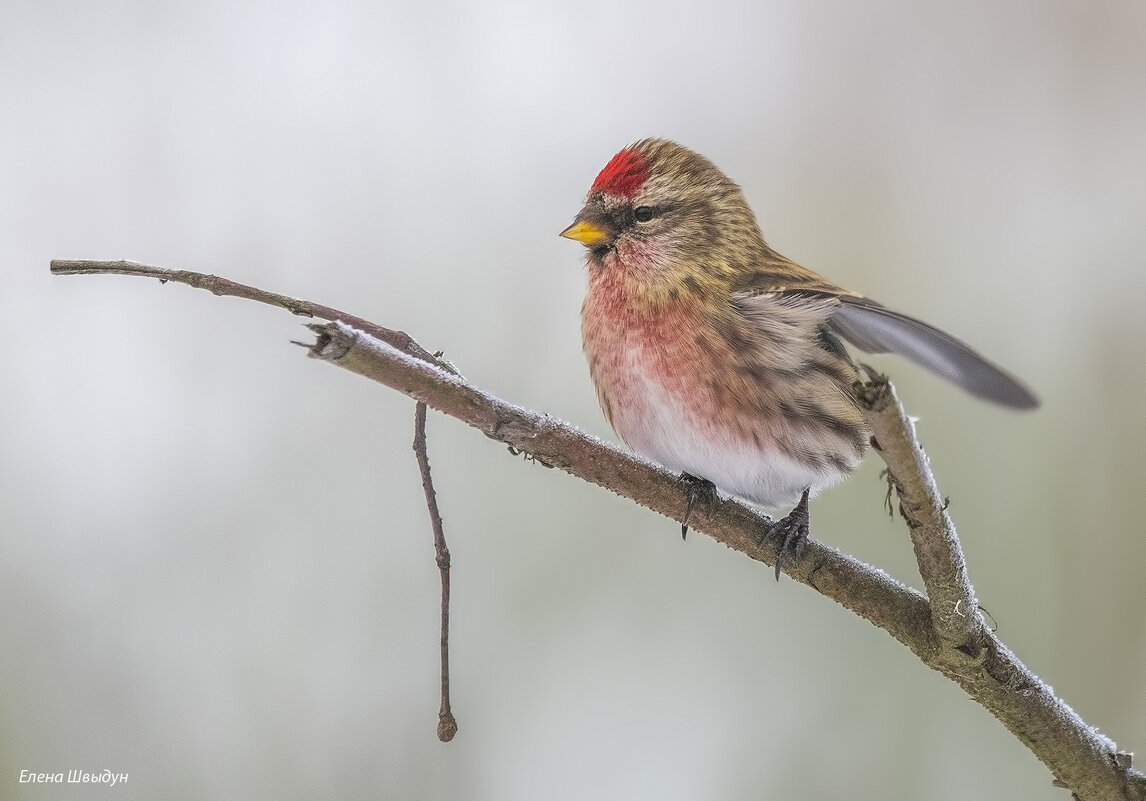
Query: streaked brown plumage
column 716, row 356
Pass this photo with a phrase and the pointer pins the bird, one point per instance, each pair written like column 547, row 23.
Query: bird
column 718, row 358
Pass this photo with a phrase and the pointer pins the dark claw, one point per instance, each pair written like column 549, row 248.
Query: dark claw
column 697, row 489
column 792, row 533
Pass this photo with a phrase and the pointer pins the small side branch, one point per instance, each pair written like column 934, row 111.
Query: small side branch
column 954, row 610
column 447, row 725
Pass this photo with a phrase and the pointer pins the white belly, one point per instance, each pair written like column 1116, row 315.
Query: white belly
column 661, row 425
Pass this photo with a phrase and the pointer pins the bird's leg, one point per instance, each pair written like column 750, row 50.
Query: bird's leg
column 792, row 533
column 696, row 489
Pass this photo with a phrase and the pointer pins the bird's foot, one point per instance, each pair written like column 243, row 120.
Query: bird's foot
column 696, row 490
column 791, row 532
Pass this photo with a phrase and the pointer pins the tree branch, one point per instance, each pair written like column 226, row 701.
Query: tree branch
column 946, row 635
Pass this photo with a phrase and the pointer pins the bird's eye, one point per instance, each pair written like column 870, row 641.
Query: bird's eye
column 643, row 214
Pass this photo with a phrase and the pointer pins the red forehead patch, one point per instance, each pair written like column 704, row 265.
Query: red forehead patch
column 624, row 175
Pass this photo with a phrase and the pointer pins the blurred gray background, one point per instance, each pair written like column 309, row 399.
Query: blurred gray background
column 186, row 595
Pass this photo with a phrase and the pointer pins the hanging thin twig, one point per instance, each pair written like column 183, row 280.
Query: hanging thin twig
column 447, row 725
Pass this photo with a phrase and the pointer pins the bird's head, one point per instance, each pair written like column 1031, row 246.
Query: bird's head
column 663, row 213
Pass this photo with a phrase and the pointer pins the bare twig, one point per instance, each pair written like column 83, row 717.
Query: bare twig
column 447, row 725
column 1077, row 755
column 227, row 288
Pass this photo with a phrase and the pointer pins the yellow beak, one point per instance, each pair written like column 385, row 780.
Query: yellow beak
column 586, row 233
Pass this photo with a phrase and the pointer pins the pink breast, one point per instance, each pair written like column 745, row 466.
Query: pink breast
column 639, row 358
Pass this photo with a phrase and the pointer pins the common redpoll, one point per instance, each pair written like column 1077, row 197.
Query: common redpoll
column 715, row 356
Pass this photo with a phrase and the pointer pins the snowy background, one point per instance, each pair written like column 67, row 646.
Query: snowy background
column 183, row 599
